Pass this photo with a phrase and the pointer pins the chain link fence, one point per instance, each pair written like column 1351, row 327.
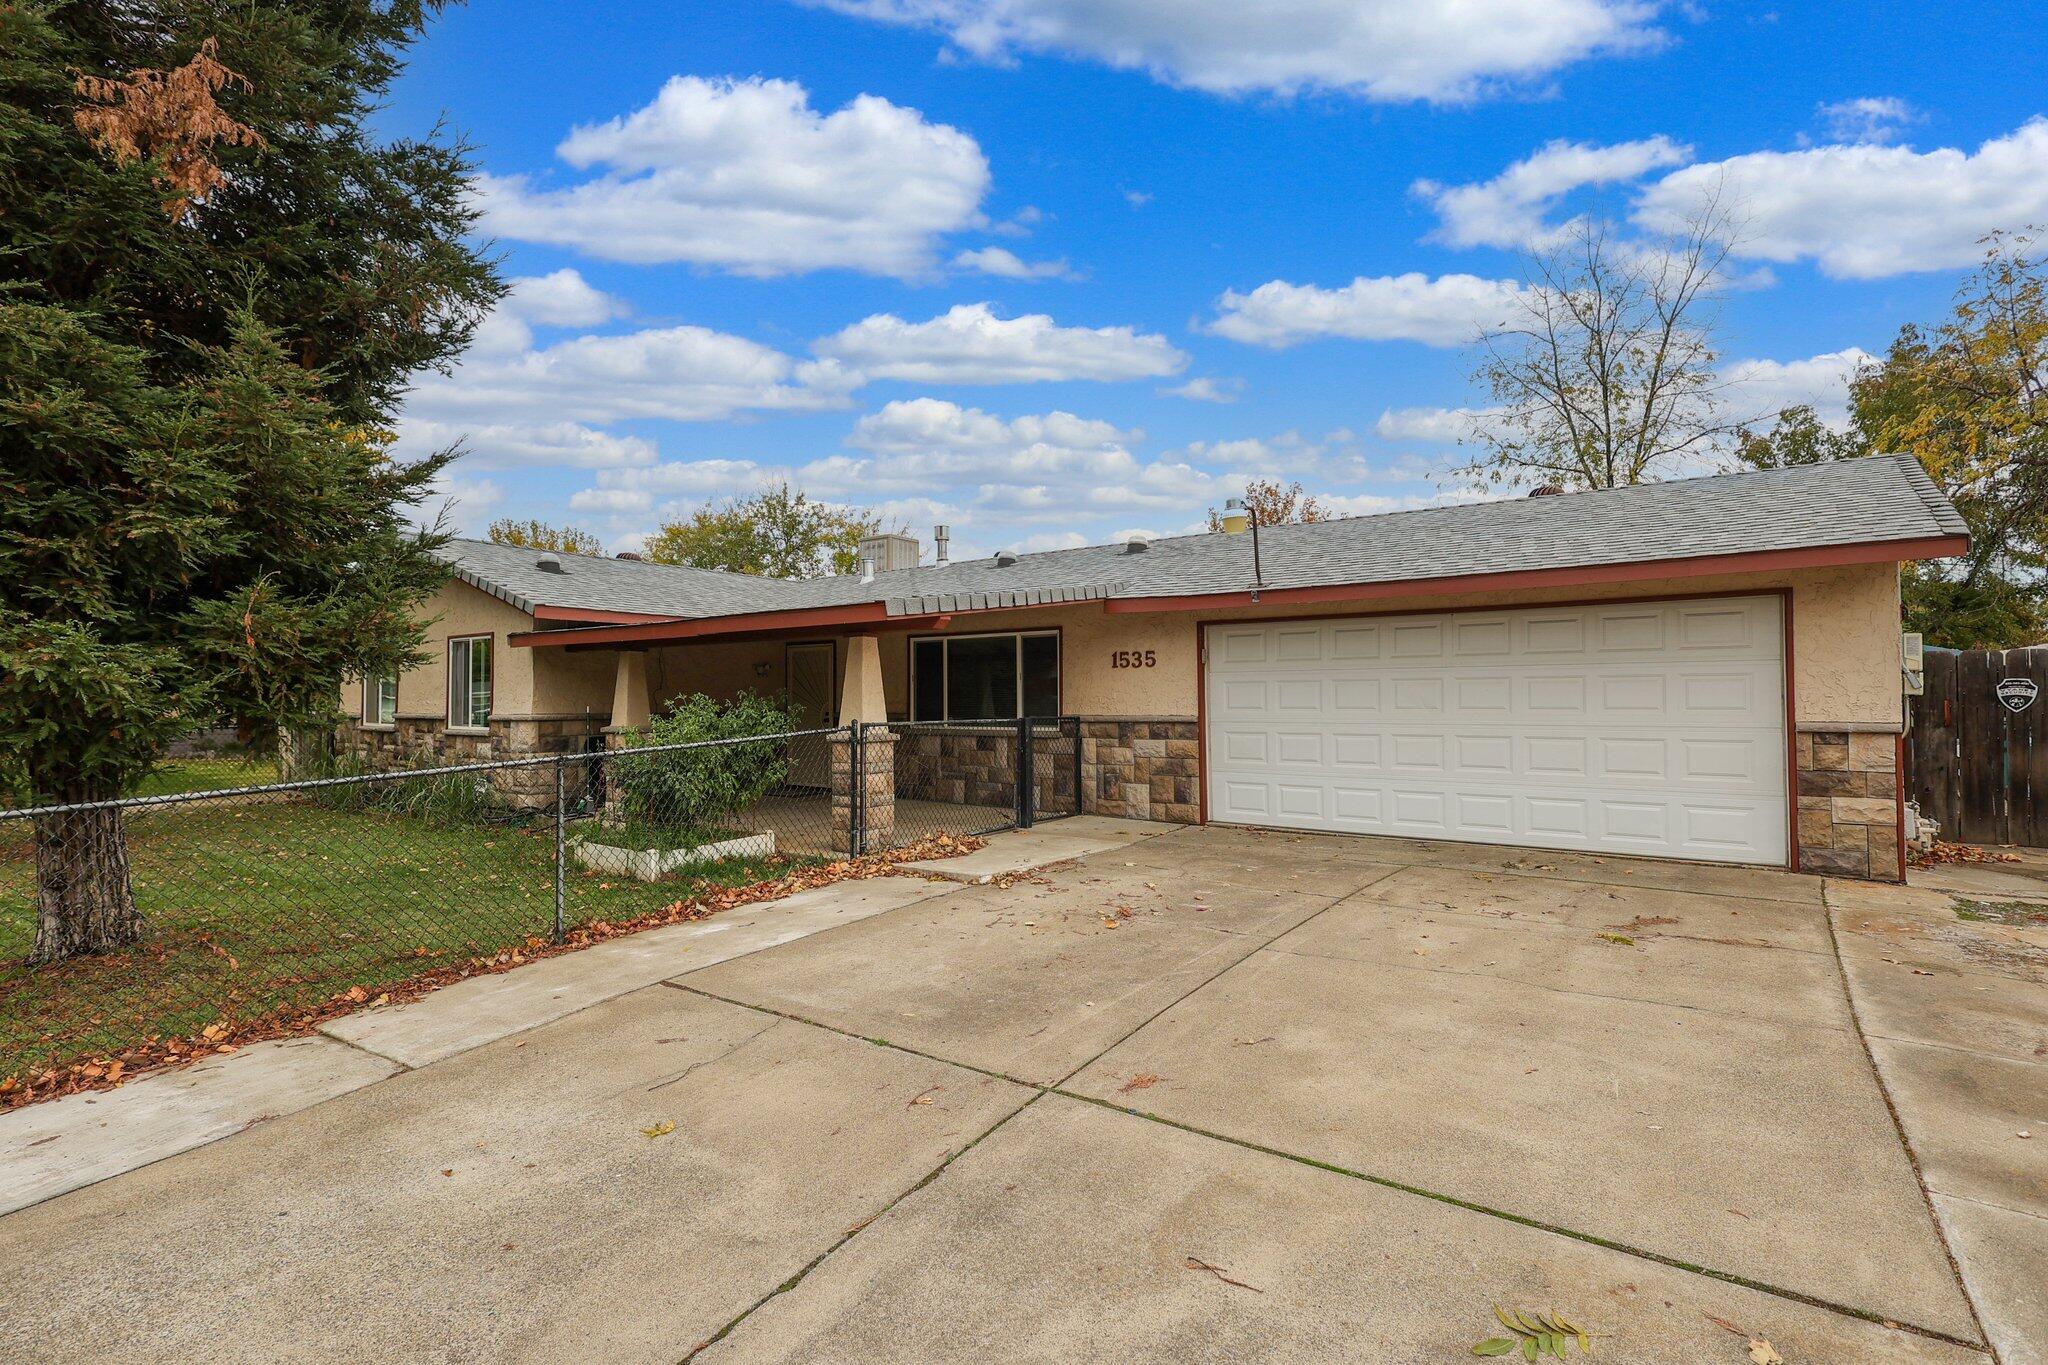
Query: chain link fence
column 164, row 916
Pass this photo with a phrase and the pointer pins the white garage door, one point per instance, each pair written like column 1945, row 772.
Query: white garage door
column 1656, row 728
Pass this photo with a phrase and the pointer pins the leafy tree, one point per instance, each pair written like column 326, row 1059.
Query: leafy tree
column 1797, row 437
column 1970, row 400
column 538, row 535
column 1271, row 505
column 1966, row 399
column 779, row 532
column 214, row 284
column 1606, row 371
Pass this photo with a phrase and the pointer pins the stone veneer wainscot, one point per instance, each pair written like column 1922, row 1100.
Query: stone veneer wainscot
column 1146, row 768
column 1849, row 803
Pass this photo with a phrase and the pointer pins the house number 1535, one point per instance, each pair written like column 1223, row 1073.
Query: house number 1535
column 1133, row 658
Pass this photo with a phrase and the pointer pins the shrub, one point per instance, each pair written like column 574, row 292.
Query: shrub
column 695, row 790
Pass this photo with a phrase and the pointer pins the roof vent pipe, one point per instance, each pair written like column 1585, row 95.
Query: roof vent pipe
column 941, row 539
column 549, row 563
column 1005, row 558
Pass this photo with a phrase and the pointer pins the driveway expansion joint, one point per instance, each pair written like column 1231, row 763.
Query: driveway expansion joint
column 1905, row 1142
column 1384, row 1182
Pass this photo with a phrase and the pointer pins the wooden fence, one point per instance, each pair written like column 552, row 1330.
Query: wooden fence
column 1977, row 749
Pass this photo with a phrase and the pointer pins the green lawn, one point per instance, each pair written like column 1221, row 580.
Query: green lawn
column 259, row 902
column 208, row 774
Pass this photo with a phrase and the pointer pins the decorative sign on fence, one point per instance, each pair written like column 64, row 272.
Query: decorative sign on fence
column 2017, row 694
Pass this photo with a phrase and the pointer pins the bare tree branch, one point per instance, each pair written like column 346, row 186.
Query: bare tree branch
column 1608, row 374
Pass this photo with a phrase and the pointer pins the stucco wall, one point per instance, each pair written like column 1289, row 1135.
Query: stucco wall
column 522, row 688
column 1845, row 625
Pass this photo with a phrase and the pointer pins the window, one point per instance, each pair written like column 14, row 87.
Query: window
column 469, row 683
column 985, row 677
column 380, row 701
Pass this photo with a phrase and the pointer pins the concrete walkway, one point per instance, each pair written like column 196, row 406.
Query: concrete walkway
column 66, row 1144
column 1952, row 992
column 1198, row 1095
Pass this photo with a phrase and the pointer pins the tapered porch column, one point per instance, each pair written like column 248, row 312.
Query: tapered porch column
column 630, row 707
column 864, row 803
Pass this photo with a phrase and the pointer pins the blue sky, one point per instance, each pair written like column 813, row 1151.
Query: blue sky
column 995, row 262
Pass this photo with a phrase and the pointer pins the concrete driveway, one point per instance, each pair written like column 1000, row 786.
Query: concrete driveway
column 1198, row 1094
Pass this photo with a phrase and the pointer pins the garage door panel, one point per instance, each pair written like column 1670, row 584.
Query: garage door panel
column 1418, row 640
column 1296, row 747
column 1355, row 751
column 1355, row 695
column 1641, row 728
column 1631, row 632
column 1555, row 695
column 1353, row 642
column 1553, row 633
column 1557, row 755
column 1709, row 628
column 1484, row 638
column 1556, row 818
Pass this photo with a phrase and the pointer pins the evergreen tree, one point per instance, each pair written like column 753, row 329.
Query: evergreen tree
column 214, row 284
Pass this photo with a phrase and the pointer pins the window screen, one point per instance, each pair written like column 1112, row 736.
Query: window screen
column 469, row 682
column 380, row 701
column 985, row 677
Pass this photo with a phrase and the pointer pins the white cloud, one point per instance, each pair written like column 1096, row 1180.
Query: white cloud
column 616, row 501
column 1439, row 426
column 685, row 374
column 1373, row 49
column 463, row 505
column 1511, row 209
column 1874, row 118
column 500, row 445
column 994, row 260
column 969, row 344
column 1207, row 390
column 1864, row 212
column 562, row 298
column 921, row 441
column 1448, row 310
column 1760, row 388
column 1020, row 223
column 1032, row 481
column 745, row 176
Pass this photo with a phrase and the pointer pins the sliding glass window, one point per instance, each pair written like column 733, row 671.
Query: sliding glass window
column 985, row 677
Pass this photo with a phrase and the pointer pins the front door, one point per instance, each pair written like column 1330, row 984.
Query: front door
column 808, row 671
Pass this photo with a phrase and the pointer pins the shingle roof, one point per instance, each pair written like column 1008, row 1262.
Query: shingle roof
column 600, row 583
column 1849, row 502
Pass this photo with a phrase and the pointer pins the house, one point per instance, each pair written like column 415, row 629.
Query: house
column 1703, row 669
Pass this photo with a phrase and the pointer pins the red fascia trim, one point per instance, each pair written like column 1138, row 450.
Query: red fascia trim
column 1811, row 557
column 594, row 617
column 868, row 614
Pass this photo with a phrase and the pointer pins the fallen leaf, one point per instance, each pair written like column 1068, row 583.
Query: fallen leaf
column 922, row 1097
column 1622, row 939
column 659, row 1130
column 1761, row 1352
column 1144, row 1080
column 1724, row 1324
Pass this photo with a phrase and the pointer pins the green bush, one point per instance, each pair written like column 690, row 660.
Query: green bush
column 696, row 790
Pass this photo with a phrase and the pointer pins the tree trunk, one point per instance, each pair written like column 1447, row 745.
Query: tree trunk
column 84, row 903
